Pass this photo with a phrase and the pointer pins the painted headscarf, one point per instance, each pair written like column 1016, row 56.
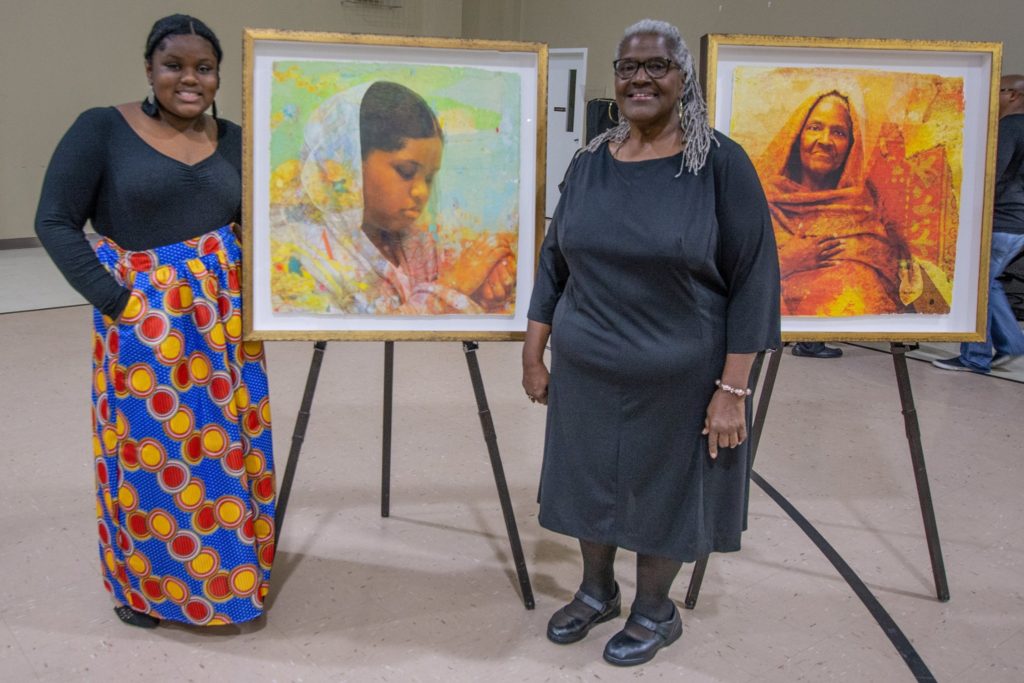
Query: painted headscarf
column 332, row 169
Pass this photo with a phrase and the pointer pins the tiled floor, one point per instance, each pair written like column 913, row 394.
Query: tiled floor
column 29, row 281
column 430, row 594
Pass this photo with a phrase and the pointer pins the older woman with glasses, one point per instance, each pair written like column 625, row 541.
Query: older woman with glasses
column 657, row 285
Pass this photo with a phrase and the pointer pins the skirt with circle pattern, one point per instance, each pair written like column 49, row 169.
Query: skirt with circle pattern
column 183, row 455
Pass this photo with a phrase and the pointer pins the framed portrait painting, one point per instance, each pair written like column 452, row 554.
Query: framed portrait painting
column 877, row 158
column 393, row 186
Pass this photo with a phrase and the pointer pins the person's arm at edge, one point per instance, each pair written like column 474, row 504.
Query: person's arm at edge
column 535, row 372
column 67, row 201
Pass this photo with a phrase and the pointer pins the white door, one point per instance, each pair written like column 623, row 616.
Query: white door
column 567, row 76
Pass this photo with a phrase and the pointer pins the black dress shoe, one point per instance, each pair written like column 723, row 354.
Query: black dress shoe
column 815, row 350
column 140, row 619
column 625, row 650
column 576, row 628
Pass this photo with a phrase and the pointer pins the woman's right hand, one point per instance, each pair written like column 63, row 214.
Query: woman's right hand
column 119, row 318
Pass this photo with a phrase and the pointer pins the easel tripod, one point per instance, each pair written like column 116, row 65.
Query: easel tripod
column 469, row 348
column 899, row 357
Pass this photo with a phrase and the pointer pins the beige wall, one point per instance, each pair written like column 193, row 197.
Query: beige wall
column 492, row 19
column 598, row 24
column 62, row 56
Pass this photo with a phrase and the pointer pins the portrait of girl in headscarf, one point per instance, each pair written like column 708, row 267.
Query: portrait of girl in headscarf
column 363, row 230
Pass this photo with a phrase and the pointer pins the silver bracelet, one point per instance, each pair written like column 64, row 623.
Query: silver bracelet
column 735, row 391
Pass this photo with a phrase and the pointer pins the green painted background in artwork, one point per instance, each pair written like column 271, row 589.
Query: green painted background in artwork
column 479, row 110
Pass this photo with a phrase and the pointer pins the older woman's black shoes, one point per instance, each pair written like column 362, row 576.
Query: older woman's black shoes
column 626, row 650
column 563, row 628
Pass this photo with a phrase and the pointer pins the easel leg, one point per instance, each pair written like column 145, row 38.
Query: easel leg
column 696, row 579
column 701, row 565
column 385, row 455
column 469, row 348
column 763, row 401
column 298, row 436
column 924, row 495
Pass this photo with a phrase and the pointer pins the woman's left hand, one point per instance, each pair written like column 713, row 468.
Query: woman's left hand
column 725, row 423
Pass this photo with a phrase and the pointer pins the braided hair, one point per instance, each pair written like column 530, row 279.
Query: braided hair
column 693, row 119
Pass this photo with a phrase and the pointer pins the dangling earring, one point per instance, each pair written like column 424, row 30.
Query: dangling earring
column 681, row 114
column 149, row 105
column 613, row 112
column 215, row 95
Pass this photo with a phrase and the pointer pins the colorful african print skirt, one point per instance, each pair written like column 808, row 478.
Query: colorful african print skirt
column 184, row 464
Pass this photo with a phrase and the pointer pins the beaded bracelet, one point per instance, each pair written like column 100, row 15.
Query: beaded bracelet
column 735, row 391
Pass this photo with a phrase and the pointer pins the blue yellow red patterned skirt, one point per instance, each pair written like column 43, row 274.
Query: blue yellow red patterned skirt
column 184, row 462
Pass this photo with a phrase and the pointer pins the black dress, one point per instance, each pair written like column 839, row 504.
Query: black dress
column 647, row 281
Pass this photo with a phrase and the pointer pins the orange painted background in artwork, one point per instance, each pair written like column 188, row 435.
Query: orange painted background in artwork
column 879, row 236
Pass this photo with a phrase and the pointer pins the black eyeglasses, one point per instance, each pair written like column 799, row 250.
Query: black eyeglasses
column 656, row 67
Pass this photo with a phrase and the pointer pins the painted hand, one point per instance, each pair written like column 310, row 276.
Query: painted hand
column 485, row 270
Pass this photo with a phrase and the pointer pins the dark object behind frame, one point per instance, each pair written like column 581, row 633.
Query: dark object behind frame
column 602, row 114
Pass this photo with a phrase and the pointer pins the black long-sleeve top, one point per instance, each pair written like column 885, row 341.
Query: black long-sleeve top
column 1008, row 211
column 136, row 196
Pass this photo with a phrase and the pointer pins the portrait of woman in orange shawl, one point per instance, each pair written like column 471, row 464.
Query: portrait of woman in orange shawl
column 836, row 256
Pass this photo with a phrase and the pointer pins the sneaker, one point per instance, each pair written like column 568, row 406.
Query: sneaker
column 1002, row 359
column 957, row 365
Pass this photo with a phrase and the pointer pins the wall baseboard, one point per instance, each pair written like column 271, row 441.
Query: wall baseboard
column 19, row 243
column 33, row 242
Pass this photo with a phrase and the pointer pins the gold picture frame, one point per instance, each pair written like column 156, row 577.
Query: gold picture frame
column 393, row 187
column 886, row 236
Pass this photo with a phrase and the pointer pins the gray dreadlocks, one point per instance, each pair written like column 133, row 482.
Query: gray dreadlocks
column 697, row 132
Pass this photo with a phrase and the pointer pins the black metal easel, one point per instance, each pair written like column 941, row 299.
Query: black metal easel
column 924, row 492
column 931, row 531
column 486, row 424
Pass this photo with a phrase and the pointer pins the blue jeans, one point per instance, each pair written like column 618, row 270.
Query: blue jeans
column 1004, row 333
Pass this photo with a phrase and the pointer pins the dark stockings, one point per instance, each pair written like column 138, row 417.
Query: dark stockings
column 598, row 570
column 654, row 577
column 598, row 580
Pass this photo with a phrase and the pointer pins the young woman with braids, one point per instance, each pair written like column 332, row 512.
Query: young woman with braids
column 182, row 442
column 658, row 283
